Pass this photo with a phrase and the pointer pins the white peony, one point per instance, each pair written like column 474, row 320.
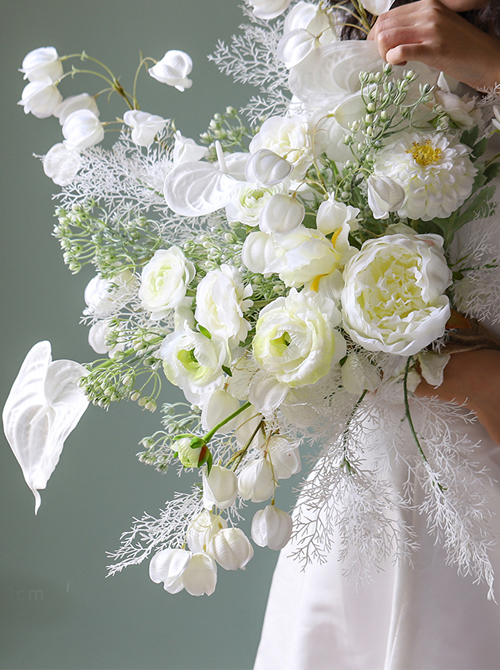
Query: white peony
column 393, row 299
column 164, row 281
column 41, row 63
column 144, row 126
column 82, row 129
column 40, row 97
column 271, row 527
column 434, row 170
column 295, row 340
column 292, row 138
column 61, row 164
column 173, row 69
column 221, row 301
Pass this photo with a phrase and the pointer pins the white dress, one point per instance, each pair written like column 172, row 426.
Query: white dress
column 424, row 617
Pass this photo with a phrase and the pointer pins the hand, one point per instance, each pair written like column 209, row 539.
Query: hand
column 429, row 32
column 472, row 378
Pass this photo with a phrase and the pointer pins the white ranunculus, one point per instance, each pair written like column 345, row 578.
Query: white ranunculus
column 295, row 340
column 104, row 296
column 82, row 129
column 186, row 150
column 384, row 195
column 271, row 527
column 40, row 97
column 44, row 405
column 284, row 456
column 218, row 407
column 256, row 481
column 202, row 529
column 220, row 487
column 168, row 566
column 61, row 164
column 267, row 168
column 358, row 375
column 333, row 215
column 292, row 138
column 200, row 576
column 173, row 69
column 434, row 170
column 74, row 104
column 221, row 301
column 282, row 214
column 41, row 63
column 269, row 9
column 393, row 299
column 164, row 281
column 248, row 201
column 144, row 126
column 231, row 549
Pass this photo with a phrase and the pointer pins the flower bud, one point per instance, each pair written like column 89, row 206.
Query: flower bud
column 269, row 9
column 200, row 576
column 173, row 70
column 267, row 168
column 188, row 456
column 74, row 104
column 220, row 487
column 281, row 214
column 256, row 481
column 284, row 456
column 259, row 250
column 219, row 406
column 144, row 126
column 61, row 164
column 41, row 63
column 82, row 129
column 202, row 530
column 168, row 567
column 271, row 527
column 231, row 549
column 384, row 195
column 40, row 97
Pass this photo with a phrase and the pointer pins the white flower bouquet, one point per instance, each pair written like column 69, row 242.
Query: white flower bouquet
column 294, row 275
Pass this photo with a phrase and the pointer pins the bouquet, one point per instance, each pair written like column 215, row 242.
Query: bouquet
column 295, row 273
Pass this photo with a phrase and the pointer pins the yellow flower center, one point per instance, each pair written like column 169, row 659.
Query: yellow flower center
column 424, row 154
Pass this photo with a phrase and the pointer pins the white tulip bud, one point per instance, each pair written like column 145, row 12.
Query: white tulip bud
column 144, row 126
column 332, row 215
column 82, row 129
column 203, row 529
column 219, row 488
column 256, row 481
column 267, row 168
column 61, row 164
column 284, row 457
column 218, row 407
column 259, row 250
column 173, row 70
column 271, row 527
column 281, row 214
column 168, row 567
column 200, row 576
column 40, row 97
column 384, row 195
column 73, row 104
column 231, row 549
column 247, row 424
column 41, row 63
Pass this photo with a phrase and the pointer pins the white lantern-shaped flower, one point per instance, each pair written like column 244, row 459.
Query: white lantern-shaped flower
column 271, row 527
column 220, row 487
column 231, row 549
column 256, row 481
column 173, row 69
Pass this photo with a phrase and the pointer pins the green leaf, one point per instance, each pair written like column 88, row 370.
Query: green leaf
column 491, row 171
column 469, row 137
column 205, row 332
column 480, row 147
column 227, row 370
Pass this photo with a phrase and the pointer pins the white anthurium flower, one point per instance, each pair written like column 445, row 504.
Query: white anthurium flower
column 332, row 215
column 284, row 456
column 271, row 527
column 218, row 407
column 306, row 27
column 282, row 214
column 259, row 252
column 359, row 375
column 256, row 480
column 168, row 566
column 186, row 150
column 295, row 339
column 248, row 201
column 231, row 549
column 195, row 188
column 105, row 296
column 434, row 170
column 294, row 46
column 220, row 487
column 384, row 195
column 164, row 281
column 61, row 164
column 44, row 405
column 40, row 97
column 267, row 168
column 194, row 363
column 82, row 129
column 200, row 576
column 74, row 104
column 377, row 7
column 248, row 427
column 145, row 126
column 41, row 63
column 393, row 299
column 202, row 529
column 432, row 366
column 173, row 69
column 292, row 138
column 269, row 9
column 221, row 301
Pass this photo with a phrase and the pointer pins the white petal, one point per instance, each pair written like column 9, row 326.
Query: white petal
column 195, row 188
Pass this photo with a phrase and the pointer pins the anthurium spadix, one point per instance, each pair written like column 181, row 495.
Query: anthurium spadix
column 44, row 405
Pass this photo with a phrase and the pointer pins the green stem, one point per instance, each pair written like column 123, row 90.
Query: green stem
column 232, row 416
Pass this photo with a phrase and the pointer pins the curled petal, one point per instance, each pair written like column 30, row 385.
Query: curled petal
column 195, row 188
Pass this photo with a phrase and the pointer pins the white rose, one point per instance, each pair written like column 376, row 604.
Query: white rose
column 271, row 527
column 144, row 126
column 295, row 341
column 393, row 298
column 164, row 281
column 82, row 129
column 256, row 481
column 41, row 63
column 221, row 300
column 231, row 549
column 248, row 201
column 220, row 487
column 269, row 9
column 266, row 168
column 202, row 529
column 292, row 138
column 173, row 69
column 73, row 104
column 61, row 164
column 40, row 97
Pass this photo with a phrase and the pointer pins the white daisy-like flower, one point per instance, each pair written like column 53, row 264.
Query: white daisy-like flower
column 434, row 170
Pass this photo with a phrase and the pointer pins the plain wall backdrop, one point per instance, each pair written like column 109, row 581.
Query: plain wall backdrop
column 57, row 610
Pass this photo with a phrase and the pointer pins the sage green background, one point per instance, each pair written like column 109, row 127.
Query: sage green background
column 57, row 609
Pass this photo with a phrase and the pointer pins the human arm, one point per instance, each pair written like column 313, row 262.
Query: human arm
column 429, row 32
